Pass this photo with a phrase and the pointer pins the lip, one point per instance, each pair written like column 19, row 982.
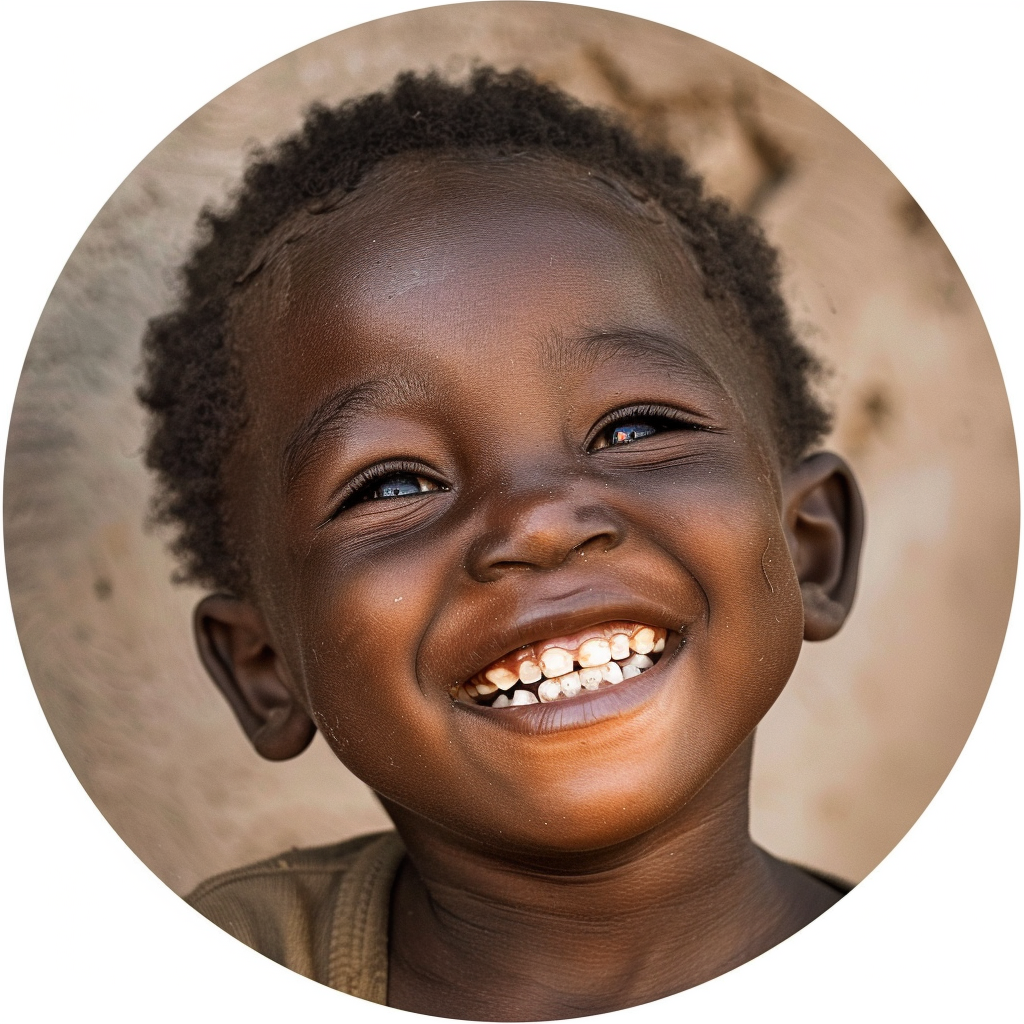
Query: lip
column 564, row 615
column 590, row 707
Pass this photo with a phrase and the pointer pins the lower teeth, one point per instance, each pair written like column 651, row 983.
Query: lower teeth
column 549, row 690
column 523, row 697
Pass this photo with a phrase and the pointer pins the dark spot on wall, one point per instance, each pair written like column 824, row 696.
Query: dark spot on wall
column 649, row 114
column 834, row 805
column 943, row 285
column 871, row 416
column 776, row 161
column 103, row 588
column 913, row 219
column 877, row 407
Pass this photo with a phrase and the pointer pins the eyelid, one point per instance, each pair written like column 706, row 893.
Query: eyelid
column 345, row 498
column 686, row 420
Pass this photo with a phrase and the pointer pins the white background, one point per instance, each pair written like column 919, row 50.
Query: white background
column 934, row 932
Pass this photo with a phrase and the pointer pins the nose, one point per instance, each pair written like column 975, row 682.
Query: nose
column 541, row 530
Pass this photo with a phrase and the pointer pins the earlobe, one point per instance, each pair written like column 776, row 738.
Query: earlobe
column 824, row 520
column 234, row 646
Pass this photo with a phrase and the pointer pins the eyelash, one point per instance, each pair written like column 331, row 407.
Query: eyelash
column 372, row 477
column 665, row 418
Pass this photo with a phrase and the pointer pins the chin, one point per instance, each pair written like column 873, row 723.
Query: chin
column 589, row 813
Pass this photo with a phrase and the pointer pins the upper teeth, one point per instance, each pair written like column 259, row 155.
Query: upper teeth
column 529, row 671
column 502, row 678
column 595, row 652
column 602, row 655
column 620, row 646
column 555, row 662
column 643, row 642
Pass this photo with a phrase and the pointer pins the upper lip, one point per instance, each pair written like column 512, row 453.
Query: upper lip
column 562, row 616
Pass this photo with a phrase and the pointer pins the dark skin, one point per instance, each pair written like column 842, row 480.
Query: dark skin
column 427, row 481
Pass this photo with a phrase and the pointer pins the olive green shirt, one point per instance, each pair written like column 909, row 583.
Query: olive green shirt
column 323, row 912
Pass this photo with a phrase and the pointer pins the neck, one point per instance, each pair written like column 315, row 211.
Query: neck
column 477, row 933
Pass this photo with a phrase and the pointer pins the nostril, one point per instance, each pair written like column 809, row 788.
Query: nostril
column 541, row 535
column 597, row 545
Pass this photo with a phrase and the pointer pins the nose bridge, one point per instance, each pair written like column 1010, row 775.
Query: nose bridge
column 537, row 520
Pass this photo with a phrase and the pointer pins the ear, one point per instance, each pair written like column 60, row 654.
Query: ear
column 234, row 645
column 824, row 521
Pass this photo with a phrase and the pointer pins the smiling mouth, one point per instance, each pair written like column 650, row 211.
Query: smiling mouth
column 561, row 668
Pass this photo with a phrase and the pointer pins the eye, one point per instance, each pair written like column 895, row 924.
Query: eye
column 624, row 433
column 634, row 425
column 394, row 485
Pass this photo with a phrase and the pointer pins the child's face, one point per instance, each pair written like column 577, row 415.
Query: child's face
column 431, row 478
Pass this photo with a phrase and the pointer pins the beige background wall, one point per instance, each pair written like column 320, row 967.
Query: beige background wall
column 871, row 722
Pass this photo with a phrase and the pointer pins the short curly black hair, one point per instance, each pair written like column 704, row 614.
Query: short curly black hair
column 192, row 384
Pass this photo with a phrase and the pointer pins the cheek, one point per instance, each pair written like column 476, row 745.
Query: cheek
column 754, row 630
column 358, row 635
column 724, row 526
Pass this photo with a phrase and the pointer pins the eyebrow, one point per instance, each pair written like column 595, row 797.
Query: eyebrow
column 662, row 352
column 335, row 413
column 332, row 416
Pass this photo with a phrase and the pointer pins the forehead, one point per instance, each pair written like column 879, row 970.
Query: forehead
column 434, row 271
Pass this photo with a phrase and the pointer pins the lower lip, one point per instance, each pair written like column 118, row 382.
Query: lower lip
column 585, row 709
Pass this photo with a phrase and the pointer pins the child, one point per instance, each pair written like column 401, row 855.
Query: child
column 491, row 434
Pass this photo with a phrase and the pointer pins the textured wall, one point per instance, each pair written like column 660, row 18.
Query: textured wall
column 871, row 722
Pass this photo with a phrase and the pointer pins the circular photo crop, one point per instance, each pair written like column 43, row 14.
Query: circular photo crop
column 511, row 511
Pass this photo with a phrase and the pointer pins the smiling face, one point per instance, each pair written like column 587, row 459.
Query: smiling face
column 492, row 414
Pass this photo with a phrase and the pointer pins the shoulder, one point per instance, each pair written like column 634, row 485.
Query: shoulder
column 310, row 866
column 287, row 907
